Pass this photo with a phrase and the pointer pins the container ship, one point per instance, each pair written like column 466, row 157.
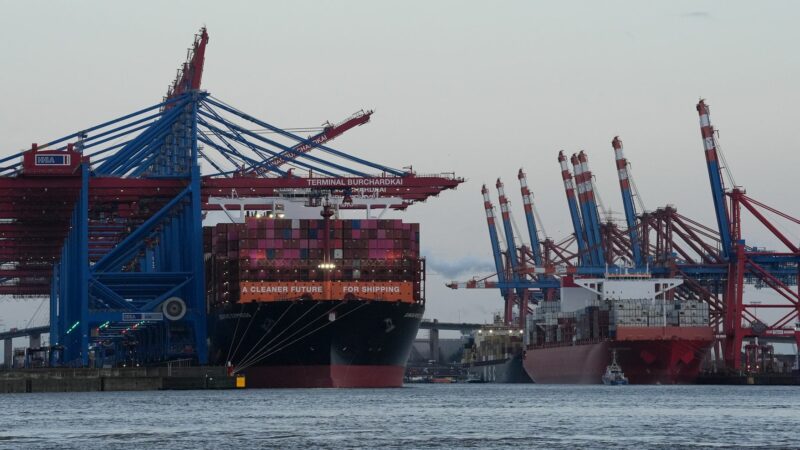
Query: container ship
column 493, row 354
column 314, row 302
column 657, row 339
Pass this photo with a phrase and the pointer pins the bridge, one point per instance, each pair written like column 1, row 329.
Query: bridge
column 34, row 333
column 452, row 326
column 435, row 326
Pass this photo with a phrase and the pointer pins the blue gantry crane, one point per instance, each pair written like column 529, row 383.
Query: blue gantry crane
column 108, row 221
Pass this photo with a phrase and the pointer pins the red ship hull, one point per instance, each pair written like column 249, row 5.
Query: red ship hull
column 665, row 355
column 332, row 376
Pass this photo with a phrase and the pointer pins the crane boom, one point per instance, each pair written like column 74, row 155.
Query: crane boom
column 191, row 74
column 591, row 208
column 627, row 200
column 574, row 211
column 329, row 133
column 715, row 178
column 527, row 201
column 496, row 252
column 588, row 223
column 513, row 259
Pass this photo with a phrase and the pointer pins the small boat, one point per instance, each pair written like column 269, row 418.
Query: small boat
column 614, row 375
column 443, row 380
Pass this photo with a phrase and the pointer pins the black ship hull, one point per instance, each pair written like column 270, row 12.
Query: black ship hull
column 306, row 343
column 508, row 370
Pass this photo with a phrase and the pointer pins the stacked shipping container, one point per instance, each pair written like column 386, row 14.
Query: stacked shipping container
column 291, row 250
column 549, row 325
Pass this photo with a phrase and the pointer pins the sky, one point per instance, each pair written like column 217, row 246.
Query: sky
column 476, row 88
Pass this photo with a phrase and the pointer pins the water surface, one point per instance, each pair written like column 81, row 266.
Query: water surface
column 418, row 416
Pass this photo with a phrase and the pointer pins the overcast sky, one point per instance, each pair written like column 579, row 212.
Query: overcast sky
column 478, row 88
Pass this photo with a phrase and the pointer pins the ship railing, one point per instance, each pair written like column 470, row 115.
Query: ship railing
column 178, row 363
column 576, row 342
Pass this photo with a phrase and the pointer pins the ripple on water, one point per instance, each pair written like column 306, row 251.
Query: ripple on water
column 421, row 416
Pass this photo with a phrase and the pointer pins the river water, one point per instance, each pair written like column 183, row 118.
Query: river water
column 486, row 416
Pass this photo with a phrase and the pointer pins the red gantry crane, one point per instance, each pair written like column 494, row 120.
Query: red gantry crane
column 717, row 264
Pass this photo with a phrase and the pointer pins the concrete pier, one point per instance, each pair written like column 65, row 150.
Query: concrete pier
column 119, row 379
column 776, row 379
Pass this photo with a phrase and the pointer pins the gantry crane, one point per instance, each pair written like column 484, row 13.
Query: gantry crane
column 715, row 263
column 107, row 221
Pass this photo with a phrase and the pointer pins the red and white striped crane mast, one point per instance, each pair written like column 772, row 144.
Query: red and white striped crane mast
column 627, row 200
column 574, row 208
column 513, row 259
column 530, row 217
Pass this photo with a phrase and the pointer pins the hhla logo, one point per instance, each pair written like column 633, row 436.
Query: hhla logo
column 52, row 160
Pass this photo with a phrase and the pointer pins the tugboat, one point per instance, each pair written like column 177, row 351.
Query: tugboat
column 614, row 375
